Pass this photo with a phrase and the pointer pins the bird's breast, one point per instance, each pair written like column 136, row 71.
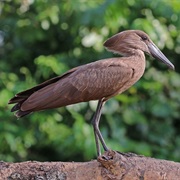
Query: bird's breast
column 137, row 66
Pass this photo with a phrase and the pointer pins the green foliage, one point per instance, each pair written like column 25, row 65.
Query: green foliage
column 42, row 39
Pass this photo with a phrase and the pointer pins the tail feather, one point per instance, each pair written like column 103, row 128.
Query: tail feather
column 20, row 113
column 16, row 107
column 21, row 97
column 17, row 99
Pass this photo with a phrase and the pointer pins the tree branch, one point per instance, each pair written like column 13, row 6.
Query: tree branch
column 111, row 165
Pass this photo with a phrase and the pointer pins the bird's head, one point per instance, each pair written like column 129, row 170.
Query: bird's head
column 128, row 42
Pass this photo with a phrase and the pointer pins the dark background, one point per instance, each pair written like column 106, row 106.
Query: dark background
column 41, row 39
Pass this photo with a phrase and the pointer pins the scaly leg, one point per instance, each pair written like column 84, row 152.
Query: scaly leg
column 95, row 123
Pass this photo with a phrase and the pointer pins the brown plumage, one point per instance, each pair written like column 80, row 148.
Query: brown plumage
column 99, row 80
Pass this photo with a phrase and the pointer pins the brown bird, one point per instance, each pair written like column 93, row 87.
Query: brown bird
column 98, row 80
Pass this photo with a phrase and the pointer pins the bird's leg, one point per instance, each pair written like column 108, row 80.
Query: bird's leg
column 97, row 143
column 95, row 123
column 95, row 126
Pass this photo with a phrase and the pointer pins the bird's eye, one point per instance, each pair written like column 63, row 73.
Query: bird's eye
column 144, row 38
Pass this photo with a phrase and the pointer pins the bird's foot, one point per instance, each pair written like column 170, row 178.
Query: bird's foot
column 128, row 154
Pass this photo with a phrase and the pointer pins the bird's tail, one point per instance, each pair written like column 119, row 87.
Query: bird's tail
column 18, row 99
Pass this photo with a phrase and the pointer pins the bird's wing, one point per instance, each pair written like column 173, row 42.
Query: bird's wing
column 21, row 97
column 25, row 94
column 89, row 82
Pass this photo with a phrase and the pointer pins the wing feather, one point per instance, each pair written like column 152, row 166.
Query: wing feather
column 93, row 81
column 86, row 83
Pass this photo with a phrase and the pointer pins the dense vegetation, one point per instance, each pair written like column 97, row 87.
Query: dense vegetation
column 41, row 39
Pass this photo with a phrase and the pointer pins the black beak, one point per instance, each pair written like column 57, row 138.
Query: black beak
column 156, row 53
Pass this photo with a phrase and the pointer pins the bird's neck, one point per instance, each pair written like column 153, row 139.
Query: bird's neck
column 136, row 60
column 135, row 55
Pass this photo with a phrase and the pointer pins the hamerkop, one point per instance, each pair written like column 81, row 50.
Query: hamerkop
column 98, row 80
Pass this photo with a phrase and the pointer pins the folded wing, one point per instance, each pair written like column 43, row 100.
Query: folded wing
column 93, row 81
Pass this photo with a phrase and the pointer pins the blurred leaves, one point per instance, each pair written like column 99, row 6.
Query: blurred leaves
column 48, row 65
column 42, row 39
